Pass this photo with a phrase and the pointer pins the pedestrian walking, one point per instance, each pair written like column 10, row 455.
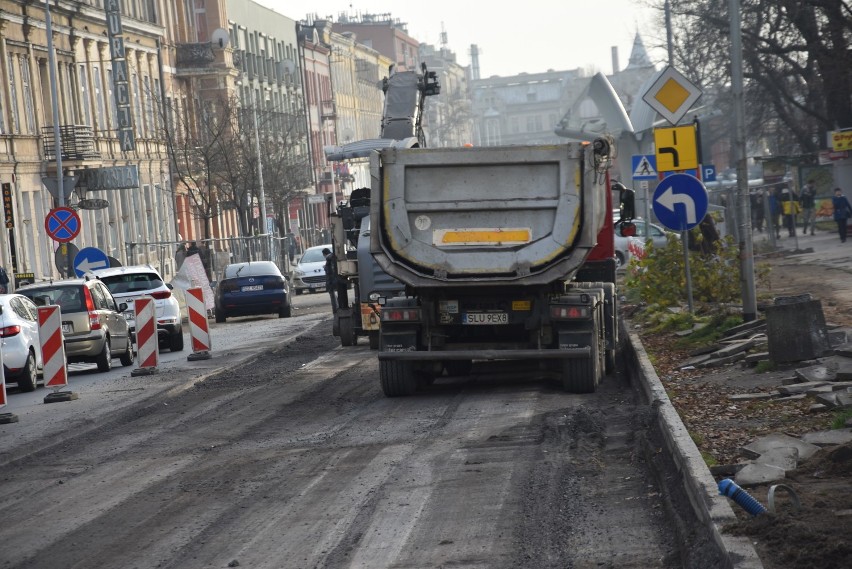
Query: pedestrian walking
column 4, row 281
column 331, row 277
column 842, row 212
column 775, row 212
column 790, row 208
column 291, row 246
column 808, row 203
column 757, row 210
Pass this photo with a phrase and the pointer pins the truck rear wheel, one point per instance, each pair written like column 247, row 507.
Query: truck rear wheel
column 580, row 375
column 347, row 331
column 374, row 340
column 397, row 378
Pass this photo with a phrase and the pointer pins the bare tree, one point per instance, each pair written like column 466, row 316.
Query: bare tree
column 796, row 62
column 198, row 141
column 280, row 143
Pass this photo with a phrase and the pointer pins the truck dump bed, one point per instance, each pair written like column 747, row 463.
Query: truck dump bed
column 491, row 216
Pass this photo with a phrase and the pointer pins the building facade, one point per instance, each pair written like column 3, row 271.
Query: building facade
column 93, row 107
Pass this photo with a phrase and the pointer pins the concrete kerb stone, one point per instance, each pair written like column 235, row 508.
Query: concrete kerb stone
column 699, row 485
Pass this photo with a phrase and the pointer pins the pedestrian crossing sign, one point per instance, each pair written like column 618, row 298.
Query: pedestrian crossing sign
column 644, row 167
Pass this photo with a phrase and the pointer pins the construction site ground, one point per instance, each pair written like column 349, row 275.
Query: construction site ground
column 819, row 534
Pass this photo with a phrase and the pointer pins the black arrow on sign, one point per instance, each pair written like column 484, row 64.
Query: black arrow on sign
column 672, row 150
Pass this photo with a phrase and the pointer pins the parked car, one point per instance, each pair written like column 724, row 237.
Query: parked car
column 129, row 283
column 309, row 273
column 92, row 323
column 256, row 287
column 20, row 340
column 644, row 232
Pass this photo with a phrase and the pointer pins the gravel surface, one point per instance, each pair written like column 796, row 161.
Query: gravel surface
column 295, row 459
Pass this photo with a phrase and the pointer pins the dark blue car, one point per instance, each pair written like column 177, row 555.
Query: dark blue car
column 252, row 288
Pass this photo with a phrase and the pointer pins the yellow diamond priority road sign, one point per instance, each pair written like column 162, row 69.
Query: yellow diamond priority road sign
column 672, row 95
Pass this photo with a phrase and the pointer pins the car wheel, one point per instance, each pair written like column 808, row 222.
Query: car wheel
column 176, row 341
column 28, row 379
column 104, row 359
column 619, row 259
column 286, row 311
column 129, row 355
column 220, row 316
column 298, row 291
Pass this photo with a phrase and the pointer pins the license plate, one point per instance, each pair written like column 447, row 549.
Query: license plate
column 67, row 328
column 485, row 318
column 129, row 315
column 250, row 288
column 316, row 285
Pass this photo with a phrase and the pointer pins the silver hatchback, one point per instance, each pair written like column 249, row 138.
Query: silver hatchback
column 92, row 324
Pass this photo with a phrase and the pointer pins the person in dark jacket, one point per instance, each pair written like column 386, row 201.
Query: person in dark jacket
column 331, row 277
column 808, row 201
column 842, row 212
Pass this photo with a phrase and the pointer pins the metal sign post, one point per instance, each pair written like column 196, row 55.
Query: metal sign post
column 680, row 203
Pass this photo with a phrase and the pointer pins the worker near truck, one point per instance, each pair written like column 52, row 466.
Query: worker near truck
column 331, row 278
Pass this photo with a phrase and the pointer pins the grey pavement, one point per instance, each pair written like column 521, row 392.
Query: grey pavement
column 823, row 248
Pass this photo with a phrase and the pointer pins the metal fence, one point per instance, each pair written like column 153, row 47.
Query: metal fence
column 215, row 253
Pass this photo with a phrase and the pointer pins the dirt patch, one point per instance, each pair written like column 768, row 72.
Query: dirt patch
column 818, row 534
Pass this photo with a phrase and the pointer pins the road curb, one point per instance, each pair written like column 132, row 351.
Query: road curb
column 713, row 510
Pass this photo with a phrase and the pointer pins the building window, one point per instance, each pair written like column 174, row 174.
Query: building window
column 110, row 100
column 85, row 100
column 2, row 113
column 149, row 11
column 149, row 104
column 137, row 100
column 196, row 15
column 27, row 94
column 14, row 127
column 99, row 100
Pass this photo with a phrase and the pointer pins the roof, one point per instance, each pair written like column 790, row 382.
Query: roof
column 111, row 271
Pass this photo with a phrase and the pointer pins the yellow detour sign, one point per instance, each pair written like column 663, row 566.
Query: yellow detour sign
column 672, row 95
column 676, row 148
column 840, row 140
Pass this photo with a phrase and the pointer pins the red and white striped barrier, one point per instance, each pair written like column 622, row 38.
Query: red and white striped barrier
column 147, row 343
column 199, row 330
column 53, row 353
column 52, row 346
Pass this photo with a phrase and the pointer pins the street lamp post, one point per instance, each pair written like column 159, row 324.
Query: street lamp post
column 259, row 164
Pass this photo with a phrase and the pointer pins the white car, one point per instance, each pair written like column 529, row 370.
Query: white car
column 309, row 273
column 20, row 341
column 129, row 283
column 644, row 231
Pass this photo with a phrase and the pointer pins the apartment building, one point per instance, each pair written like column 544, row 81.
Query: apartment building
column 95, row 107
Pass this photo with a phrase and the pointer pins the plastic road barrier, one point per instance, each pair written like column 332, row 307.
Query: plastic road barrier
column 147, row 343
column 52, row 346
column 198, row 328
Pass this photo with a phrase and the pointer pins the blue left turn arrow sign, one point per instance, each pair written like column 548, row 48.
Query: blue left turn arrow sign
column 89, row 259
column 680, row 202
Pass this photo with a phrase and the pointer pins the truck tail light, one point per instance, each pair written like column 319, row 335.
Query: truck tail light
column 9, row 331
column 569, row 312
column 94, row 317
column 400, row 314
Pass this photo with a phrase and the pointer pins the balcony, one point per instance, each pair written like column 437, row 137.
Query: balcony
column 77, row 140
column 193, row 55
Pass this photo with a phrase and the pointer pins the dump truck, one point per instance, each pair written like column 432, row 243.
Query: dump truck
column 506, row 253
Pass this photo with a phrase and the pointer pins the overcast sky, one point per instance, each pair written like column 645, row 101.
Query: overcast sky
column 513, row 37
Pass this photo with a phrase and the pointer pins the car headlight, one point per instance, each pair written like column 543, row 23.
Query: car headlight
column 298, row 273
